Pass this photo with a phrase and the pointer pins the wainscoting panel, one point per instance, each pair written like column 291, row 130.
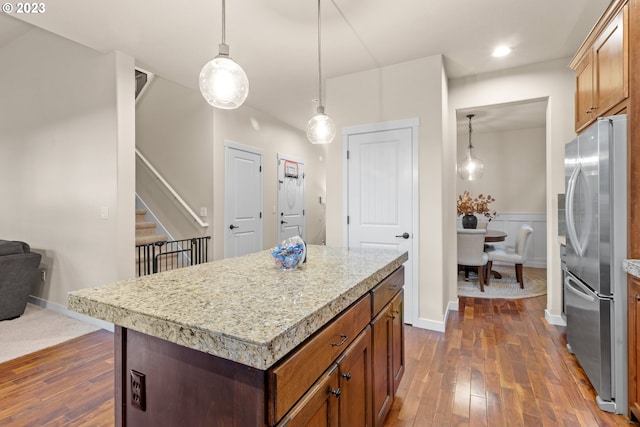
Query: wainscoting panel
column 510, row 223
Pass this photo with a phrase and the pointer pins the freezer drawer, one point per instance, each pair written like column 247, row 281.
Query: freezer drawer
column 589, row 333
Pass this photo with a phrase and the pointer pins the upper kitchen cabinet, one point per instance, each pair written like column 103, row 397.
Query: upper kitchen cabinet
column 602, row 67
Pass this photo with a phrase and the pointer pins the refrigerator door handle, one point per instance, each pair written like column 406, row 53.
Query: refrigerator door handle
column 571, row 225
column 577, row 289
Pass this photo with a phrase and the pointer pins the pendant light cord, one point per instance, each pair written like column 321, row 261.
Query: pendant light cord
column 223, row 21
column 470, row 116
column 319, row 61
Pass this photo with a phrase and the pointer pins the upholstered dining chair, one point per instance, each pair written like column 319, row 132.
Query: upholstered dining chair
column 471, row 252
column 482, row 225
column 513, row 254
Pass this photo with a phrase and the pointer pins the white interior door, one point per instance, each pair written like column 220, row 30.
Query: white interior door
column 291, row 214
column 242, row 201
column 380, row 197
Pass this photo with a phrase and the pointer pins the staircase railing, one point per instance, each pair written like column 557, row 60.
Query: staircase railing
column 171, row 190
column 162, row 256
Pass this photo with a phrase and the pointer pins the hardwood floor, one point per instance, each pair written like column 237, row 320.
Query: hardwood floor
column 70, row 384
column 499, row 364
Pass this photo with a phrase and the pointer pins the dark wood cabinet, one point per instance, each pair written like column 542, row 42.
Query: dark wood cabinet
column 319, row 406
column 584, row 91
column 355, row 382
column 602, row 68
column 382, row 331
column 633, row 331
column 397, row 339
column 387, row 350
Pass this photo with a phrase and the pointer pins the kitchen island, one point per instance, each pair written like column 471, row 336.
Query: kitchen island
column 239, row 342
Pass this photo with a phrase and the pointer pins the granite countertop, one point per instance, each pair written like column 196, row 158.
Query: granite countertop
column 242, row 309
column 632, row 266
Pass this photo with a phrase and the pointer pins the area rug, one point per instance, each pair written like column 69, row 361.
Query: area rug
column 37, row 329
column 535, row 284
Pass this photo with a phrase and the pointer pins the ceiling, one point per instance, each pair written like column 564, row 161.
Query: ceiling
column 275, row 41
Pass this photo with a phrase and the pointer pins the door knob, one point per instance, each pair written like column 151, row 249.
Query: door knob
column 404, row 235
column 231, row 227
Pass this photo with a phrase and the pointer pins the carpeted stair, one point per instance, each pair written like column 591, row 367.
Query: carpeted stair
column 146, row 233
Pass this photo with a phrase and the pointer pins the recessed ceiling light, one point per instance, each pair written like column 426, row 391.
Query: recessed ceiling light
column 501, row 51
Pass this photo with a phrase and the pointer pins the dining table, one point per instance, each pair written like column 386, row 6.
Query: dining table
column 494, row 236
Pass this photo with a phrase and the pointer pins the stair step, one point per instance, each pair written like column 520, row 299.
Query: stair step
column 140, row 214
column 145, row 224
column 145, row 240
column 145, row 229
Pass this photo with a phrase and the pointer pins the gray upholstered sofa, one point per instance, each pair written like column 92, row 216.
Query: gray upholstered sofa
column 18, row 273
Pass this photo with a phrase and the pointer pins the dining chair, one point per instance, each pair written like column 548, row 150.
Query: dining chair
column 482, row 225
column 471, row 252
column 513, row 254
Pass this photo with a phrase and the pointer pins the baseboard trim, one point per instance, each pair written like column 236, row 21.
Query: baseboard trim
column 554, row 319
column 64, row 310
column 434, row 325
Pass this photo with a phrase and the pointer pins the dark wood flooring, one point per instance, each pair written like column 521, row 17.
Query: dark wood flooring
column 499, row 364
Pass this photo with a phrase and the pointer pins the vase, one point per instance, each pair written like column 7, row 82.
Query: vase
column 469, row 221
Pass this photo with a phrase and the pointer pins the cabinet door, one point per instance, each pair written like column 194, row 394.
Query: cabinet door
column 319, row 406
column 611, row 59
column 382, row 333
column 585, row 102
column 397, row 339
column 355, row 382
column 633, row 331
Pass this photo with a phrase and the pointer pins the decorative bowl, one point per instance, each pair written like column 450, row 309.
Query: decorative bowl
column 289, row 254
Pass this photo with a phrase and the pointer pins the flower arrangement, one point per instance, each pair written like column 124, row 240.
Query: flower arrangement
column 468, row 205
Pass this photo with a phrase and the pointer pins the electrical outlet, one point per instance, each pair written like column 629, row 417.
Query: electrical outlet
column 138, row 391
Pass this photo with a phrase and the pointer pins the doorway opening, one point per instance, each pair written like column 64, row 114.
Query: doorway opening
column 510, row 139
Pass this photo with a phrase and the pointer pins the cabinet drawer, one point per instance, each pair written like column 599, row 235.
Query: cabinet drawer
column 293, row 377
column 382, row 294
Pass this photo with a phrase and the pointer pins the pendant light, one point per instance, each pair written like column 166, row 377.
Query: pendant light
column 470, row 168
column 320, row 129
column 223, row 83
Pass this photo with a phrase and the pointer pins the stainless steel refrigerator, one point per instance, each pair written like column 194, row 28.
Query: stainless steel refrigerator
column 595, row 283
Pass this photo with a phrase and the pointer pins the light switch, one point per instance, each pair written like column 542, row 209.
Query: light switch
column 104, row 212
column 203, row 211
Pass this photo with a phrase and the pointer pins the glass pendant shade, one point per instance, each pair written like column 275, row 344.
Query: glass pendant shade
column 321, row 129
column 223, row 83
column 470, row 168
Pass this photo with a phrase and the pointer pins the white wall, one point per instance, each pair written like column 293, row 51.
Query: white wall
column 407, row 90
column 174, row 131
column 552, row 81
column 515, row 165
column 66, row 132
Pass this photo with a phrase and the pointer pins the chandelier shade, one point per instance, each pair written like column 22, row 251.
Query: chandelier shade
column 470, row 168
column 320, row 129
column 223, row 83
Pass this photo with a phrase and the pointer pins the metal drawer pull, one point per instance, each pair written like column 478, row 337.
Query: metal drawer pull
column 347, row 376
column 344, row 339
column 336, row 393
